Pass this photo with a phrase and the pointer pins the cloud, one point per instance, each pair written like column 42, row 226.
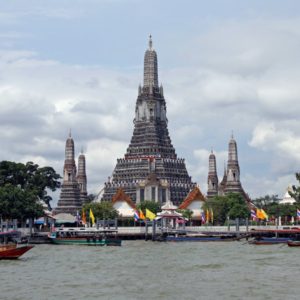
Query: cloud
column 282, row 143
column 240, row 75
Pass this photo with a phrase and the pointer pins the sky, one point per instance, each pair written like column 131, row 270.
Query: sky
column 225, row 65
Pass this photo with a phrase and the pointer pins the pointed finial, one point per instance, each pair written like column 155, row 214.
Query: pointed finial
column 232, row 134
column 150, row 42
column 70, row 133
column 212, row 151
column 81, row 149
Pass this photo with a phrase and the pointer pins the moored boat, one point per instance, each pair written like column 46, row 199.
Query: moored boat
column 85, row 236
column 269, row 241
column 292, row 243
column 14, row 252
column 8, row 246
column 200, row 239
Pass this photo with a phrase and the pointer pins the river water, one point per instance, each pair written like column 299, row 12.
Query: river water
column 139, row 269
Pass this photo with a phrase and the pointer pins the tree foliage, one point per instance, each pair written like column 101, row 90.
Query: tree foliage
column 266, row 200
column 22, row 186
column 102, row 210
column 151, row 205
column 296, row 190
column 232, row 205
column 186, row 213
column 271, row 205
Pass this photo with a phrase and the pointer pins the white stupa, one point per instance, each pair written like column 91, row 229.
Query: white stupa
column 287, row 198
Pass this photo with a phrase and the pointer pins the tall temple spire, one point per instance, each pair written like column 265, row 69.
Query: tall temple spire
column 150, row 168
column 150, row 67
column 212, row 179
column 69, row 150
column 232, row 155
column 233, row 183
column 81, row 177
column 150, row 42
column 69, row 201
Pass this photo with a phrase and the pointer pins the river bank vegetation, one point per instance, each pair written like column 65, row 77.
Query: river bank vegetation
column 24, row 188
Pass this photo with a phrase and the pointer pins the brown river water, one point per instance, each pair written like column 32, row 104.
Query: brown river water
column 147, row 270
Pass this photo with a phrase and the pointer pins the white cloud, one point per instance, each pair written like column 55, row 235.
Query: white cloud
column 241, row 76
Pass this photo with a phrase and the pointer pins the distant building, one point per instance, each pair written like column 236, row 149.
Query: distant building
column 231, row 180
column 123, row 204
column 212, row 179
column 150, row 169
column 287, row 198
column 73, row 190
column 194, row 202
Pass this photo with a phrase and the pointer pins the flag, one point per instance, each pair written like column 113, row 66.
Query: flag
column 150, row 215
column 207, row 216
column 211, row 215
column 142, row 216
column 264, row 214
column 253, row 214
column 136, row 216
column 298, row 214
column 203, row 217
column 261, row 214
column 83, row 218
column 92, row 218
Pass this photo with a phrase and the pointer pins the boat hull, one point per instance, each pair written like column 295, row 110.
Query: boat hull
column 86, row 241
column 293, row 243
column 14, row 253
column 269, row 241
column 199, row 239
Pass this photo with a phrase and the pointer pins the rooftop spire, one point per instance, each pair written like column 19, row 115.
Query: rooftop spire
column 150, row 67
column 150, row 42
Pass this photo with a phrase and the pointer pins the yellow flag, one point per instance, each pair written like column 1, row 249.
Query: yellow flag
column 92, row 218
column 261, row 214
column 150, row 215
column 211, row 215
column 207, row 216
column 142, row 216
column 264, row 214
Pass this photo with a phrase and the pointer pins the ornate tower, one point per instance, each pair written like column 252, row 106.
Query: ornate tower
column 150, row 151
column 212, row 180
column 69, row 201
column 233, row 183
column 81, row 178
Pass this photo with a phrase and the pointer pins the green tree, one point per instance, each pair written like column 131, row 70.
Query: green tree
column 30, row 177
column 151, row 205
column 16, row 203
column 296, row 190
column 22, row 186
column 266, row 200
column 102, row 210
column 232, row 205
column 186, row 213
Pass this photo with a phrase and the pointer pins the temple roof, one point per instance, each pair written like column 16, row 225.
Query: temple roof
column 194, row 195
column 169, row 206
column 121, row 196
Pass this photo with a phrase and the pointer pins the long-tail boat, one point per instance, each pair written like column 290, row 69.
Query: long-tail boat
column 13, row 252
column 8, row 246
column 269, row 241
column 292, row 243
column 273, row 236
